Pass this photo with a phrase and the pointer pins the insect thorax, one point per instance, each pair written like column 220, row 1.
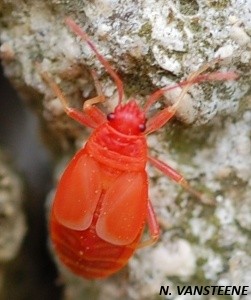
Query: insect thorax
column 110, row 147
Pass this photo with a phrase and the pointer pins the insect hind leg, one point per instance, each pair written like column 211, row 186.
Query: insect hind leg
column 153, row 227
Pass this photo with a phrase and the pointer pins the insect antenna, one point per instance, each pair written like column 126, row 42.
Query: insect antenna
column 79, row 32
column 195, row 77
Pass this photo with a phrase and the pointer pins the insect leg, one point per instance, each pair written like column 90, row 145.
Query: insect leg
column 71, row 112
column 89, row 108
column 153, row 227
column 161, row 118
column 177, row 177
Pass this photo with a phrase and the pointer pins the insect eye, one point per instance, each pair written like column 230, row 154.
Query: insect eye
column 110, row 116
column 142, row 127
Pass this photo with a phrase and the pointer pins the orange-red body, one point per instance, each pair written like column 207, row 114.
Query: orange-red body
column 117, row 161
column 101, row 205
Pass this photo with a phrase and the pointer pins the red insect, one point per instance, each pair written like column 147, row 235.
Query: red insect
column 101, row 206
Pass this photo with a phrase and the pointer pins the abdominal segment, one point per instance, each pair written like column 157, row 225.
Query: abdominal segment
column 86, row 254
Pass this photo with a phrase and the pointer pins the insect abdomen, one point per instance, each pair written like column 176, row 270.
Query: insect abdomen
column 86, row 254
column 116, row 199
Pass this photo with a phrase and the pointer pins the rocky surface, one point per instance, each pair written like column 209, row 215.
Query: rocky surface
column 152, row 44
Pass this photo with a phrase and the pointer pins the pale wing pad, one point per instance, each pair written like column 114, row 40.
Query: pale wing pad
column 123, row 212
column 78, row 192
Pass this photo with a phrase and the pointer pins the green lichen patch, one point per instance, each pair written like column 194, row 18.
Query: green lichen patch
column 221, row 4
column 186, row 140
column 145, row 31
column 189, row 7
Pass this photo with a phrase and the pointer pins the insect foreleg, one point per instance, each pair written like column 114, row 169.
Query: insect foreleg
column 89, row 108
column 160, row 119
column 91, row 117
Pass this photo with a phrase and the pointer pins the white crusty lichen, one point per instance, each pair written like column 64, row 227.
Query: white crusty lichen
column 153, row 44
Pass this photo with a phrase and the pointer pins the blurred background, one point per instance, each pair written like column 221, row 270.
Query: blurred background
column 31, row 275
